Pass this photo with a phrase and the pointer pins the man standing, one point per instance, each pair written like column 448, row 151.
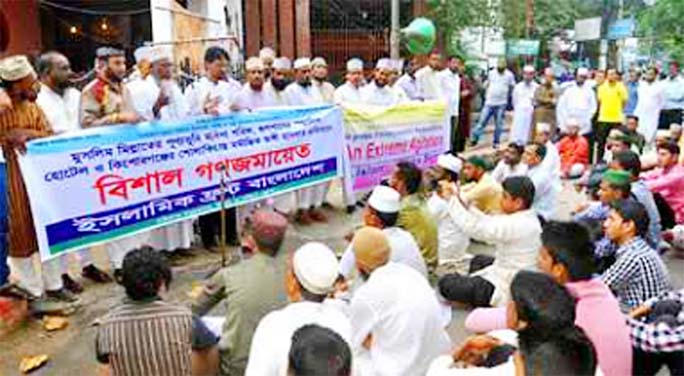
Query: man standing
column 612, row 96
column 303, row 93
column 673, row 92
column 252, row 95
column 450, row 87
column 633, row 90
column 59, row 102
column 267, row 57
column 250, row 289
column 319, row 76
column 523, row 107
column 467, row 92
column 106, row 101
column 499, row 84
column 543, row 135
column 648, row 107
column 350, row 91
column 546, row 181
column 280, row 78
column 511, row 163
column 408, row 81
column 310, row 279
column 396, row 324
column 378, row 92
column 427, row 81
column 19, row 124
column 578, row 102
column 140, row 84
column 545, row 100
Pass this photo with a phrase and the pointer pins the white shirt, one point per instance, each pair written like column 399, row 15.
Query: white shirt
column 523, row 95
column 410, row 86
column 298, row 95
column 348, row 93
column 452, row 241
column 516, row 238
column 551, row 160
column 278, row 95
column 577, row 102
column 673, row 91
column 61, row 111
column 327, row 90
column 197, row 93
column 404, row 249
column 273, row 336
column 177, row 108
column 428, row 83
column 379, row 96
column 400, row 310
column 144, row 94
column 503, row 170
column 650, row 102
column 450, row 89
column 498, row 85
column 546, row 189
column 249, row 99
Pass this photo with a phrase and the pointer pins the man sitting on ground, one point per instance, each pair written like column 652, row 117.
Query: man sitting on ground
column 319, row 351
column 574, row 151
column 668, row 178
column 510, row 164
column 516, row 235
column 481, row 189
column 173, row 342
column 545, row 178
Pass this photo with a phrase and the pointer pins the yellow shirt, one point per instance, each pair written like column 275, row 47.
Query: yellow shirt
column 612, row 99
column 485, row 194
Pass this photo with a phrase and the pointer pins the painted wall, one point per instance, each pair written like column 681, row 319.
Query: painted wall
column 22, row 27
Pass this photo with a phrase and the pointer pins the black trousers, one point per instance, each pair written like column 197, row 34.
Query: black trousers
column 668, row 117
column 647, row 364
column 458, row 138
column 475, row 291
column 601, row 132
column 210, row 228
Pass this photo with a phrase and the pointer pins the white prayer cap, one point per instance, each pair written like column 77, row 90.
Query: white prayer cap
column 157, row 53
column 449, row 162
column 384, row 63
column 254, row 63
column 543, row 127
column 385, row 199
column 302, row 62
column 662, row 134
column 318, row 61
column 316, row 267
column 14, row 68
column 583, row 71
column 282, row 63
column 675, row 127
column 354, row 65
column 267, row 53
column 528, row 69
column 142, row 53
column 398, row 65
column 572, row 122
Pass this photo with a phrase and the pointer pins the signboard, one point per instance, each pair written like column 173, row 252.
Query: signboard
column 101, row 184
column 621, row 29
column 588, row 29
column 515, row 47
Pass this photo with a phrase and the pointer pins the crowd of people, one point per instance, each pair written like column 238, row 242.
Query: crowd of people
column 589, row 295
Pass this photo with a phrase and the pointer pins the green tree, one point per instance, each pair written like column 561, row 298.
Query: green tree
column 453, row 16
column 661, row 25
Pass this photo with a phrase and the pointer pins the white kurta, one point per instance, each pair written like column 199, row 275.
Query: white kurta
column 547, row 185
column 273, row 336
column 404, row 250
column 379, row 96
column 551, row 160
column 523, row 111
column 399, row 309
column 649, row 104
column 429, row 86
column 248, row 99
column 177, row 235
column 503, row 170
column 453, row 242
column 347, row 93
column 450, row 90
column 144, row 94
column 201, row 90
column 327, row 90
column 577, row 102
column 517, row 238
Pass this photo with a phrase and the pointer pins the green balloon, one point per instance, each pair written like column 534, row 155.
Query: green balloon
column 420, row 36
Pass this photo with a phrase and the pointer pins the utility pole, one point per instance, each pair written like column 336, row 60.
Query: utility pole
column 529, row 17
column 394, row 33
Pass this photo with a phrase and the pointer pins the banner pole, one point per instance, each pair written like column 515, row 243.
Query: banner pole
column 222, row 243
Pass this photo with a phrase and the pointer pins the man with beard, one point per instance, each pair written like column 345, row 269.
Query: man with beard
column 450, row 87
column 303, row 93
column 408, row 81
column 426, row 77
column 648, row 106
column 19, row 124
column 320, row 76
column 577, row 102
column 267, row 57
column 379, row 92
column 510, row 164
column 499, row 84
column 59, row 102
column 523, row 106
column 253, row 95
column 106, row 101
column 350, row 91
column 481, row 189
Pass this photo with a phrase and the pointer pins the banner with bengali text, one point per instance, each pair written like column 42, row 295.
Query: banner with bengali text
column 379, row 138
column 101, row 184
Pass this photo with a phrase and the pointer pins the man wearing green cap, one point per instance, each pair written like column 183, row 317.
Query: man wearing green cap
column 481, row 190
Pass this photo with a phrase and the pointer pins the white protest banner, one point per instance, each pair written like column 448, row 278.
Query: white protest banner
column 379, row 138
column 101, row 184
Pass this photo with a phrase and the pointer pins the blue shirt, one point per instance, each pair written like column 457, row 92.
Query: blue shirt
column 642, row 194
column 632, row 98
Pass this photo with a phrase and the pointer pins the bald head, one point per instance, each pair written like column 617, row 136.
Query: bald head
column 371, row 249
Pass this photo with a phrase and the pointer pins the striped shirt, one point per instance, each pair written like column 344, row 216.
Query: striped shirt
column 22, row 235
column 146, row 338
column 637, row 275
